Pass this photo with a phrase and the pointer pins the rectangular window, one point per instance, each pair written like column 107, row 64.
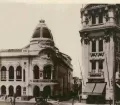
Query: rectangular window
column 93, row 19
column 93, row 66
column 100, row 45
column 100, row 18
column 100, row 64
column 93, row 46
column 24, row 89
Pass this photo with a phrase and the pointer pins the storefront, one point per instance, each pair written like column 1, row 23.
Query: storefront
column 95, row 93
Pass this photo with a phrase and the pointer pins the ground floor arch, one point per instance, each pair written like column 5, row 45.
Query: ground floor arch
column 47, row 91
column 36, row 91
column 3, row 90
column 18, row 90
column 11, row 91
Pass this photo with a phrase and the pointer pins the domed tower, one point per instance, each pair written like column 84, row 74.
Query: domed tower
column 100, row 38
column 42, row 37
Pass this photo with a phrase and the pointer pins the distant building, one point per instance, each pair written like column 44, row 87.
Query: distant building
column 77, row 86
column 100, row 38
column 37, row 69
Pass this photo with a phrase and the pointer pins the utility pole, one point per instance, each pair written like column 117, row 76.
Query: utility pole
column 114, row 67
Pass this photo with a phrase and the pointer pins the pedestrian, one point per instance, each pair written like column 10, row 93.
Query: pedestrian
column 110, row 101
column 11, row 101
column 5, row 97
column 80, row 97
column 73, row 101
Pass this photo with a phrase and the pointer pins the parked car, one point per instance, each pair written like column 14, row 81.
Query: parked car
column 53, row 102
column 41, row 101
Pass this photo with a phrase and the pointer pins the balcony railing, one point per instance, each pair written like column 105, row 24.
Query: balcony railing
column 43, row 80
column 97, row 54
column 96, row 74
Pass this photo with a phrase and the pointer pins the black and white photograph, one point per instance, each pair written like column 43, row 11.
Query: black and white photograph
column 59, row 53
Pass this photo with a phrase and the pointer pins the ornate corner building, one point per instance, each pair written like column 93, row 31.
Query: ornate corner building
column 39, row 68
column 100, row 39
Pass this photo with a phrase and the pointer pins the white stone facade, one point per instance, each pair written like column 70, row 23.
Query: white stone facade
column 27, row 72
column 100, row 23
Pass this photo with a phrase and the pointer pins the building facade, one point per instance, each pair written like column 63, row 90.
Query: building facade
column 100, row 38
column 37, row 69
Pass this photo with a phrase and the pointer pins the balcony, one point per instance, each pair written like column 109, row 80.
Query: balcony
column 43, row 81
column 96, row 55
column 96, row 75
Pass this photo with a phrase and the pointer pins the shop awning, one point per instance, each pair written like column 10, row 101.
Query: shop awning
column 89, row 88
column 118, row 85
column 99, row 88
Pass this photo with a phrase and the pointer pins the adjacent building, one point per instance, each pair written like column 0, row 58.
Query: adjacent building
column 100, row 39
column 37, row 69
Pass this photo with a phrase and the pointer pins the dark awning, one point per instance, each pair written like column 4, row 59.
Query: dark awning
column 99, row 88
column 89, row 88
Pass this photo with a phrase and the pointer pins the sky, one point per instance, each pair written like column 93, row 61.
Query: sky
column 19, row 19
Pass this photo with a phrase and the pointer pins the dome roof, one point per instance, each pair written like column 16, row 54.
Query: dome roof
column 42, row 31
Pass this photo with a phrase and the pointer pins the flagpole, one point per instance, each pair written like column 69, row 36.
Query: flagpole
column 81, row 72
column 114, row 67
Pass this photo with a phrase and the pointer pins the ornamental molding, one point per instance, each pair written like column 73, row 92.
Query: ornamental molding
column 86, row 38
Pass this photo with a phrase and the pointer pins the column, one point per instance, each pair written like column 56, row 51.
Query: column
column 0, row 90
column 104, row 20
column 51, row 74
column 22, row 74
column 97, row 19
column 14, row 89
column 15, row 74
column 41, row 74
column 7, row 74
column 83, row 22
column 0, row 75
column 97, row 44
column 111, row 16
column 7, row 92
column 41, row 90
column 97, row 66
column 51, row 90
column 90, row 20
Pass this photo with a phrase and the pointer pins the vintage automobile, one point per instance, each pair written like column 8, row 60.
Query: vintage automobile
column 53, row 102
column 41, row 101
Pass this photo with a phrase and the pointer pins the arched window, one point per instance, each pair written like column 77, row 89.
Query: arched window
column 19, row 73
column 36, row 72
column 47, row 72
column 46, row 33
column 36, row 91
column 3, row 90
column 36, row 33
column 11, row 73
column 11, row 91
column 3, row 73
column 18, row 90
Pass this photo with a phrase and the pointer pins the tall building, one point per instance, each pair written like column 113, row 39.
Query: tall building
column 37, row 69
column 100, row 38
